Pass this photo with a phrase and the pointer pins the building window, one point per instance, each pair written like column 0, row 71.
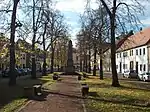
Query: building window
column 120, row 55
column 131, row 52
column 23, row 65
column 77, row 58
column 144, row 67
column 140, row 67
column 123, row 66
column 136, row 51
column 116, row 66
column 140, row 52
column 143, row 51
column 131, row 65
column 125, row 54
column 117, row 55
column 23, row 56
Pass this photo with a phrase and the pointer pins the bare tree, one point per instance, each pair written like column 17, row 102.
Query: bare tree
column 118, row 17
column 12, row 72
column 94, row 29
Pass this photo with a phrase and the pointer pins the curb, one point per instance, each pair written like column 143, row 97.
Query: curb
column 22, row 107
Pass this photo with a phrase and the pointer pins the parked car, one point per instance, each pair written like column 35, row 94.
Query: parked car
column 27, row 71
column 144, row 76
column 130, row 74
column 5, row 73
column 21, row 72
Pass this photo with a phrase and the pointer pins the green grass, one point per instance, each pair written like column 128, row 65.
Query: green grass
column 11, row 98
column 127, row 98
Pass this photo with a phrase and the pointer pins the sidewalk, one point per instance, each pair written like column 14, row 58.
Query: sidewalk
column 63, row 97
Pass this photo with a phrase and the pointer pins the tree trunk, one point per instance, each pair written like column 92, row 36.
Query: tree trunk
column 44, row 54
column 89, row 61
column 12, row 73
column 33, row 73
column 115, row 81
column 101, row 65
column 44, row 64
column 86, row 64
column 112, row 16
column 94, row 69
column 80, row 65
column 52, row 58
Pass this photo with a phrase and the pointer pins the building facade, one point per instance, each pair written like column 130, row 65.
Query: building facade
column 134, row 53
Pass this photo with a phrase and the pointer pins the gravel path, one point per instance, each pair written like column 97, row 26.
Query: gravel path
column 64, row 96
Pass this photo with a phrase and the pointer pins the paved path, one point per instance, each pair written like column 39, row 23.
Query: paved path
column 64, row 97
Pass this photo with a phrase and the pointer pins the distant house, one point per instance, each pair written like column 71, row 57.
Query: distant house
column 134, row 53
column 4, row 52
column 23, row 54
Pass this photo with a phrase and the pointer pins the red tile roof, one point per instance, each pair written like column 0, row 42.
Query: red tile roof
column 138, row 39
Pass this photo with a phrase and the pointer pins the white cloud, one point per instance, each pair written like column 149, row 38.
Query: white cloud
column 73, row 5
column 146, row 21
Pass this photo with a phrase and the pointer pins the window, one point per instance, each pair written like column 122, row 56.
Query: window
column 131, row 52
column 136, row 51
column 120, row 55
column 125, row 54
column 144, row 67
column 77, row 58
column 140, row 67
column 116, row 66
column 140, row 52
column 143, row 51
column 123, row 66
column 23, row 65
column 131, row 65
column 23, row 56
column 117, row 55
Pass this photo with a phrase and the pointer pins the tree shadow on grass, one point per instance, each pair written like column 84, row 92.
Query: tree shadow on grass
column 93, row 94
column 9, row 94
column 116, row 99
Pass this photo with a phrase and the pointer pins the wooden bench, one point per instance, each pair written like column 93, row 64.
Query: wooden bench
column 28, row 92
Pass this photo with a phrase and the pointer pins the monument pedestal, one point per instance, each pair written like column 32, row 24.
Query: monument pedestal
column 70, row 68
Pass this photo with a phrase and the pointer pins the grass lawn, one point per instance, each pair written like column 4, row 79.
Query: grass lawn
column 127, row 98
column 11, row 98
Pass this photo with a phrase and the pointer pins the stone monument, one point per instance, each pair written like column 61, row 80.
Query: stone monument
column 70, row 66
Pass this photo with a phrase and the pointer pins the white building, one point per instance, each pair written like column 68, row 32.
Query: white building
column 134, row 53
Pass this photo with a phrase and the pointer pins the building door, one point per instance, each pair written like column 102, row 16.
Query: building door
column 120, row 67
column 131, row 65
column 137, row 67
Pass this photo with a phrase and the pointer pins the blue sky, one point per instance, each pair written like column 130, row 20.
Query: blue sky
column 73, row 8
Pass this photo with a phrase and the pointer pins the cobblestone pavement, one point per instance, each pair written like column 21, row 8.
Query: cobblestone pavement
column 64, row 96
